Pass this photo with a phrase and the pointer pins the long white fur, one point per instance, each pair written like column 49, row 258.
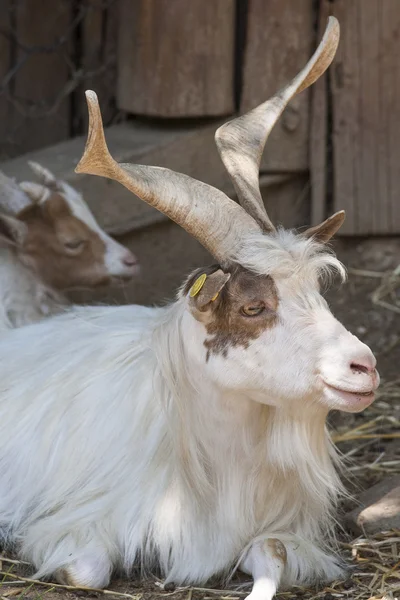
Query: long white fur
column 120, row 444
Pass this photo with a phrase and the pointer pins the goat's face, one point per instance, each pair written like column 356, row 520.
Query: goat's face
column 59, row 239
column 266, row 329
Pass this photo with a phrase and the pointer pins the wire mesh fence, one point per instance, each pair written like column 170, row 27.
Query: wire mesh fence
column 50, row 52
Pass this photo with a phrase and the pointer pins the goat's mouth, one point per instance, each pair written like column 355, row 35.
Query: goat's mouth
column 349, row 400
column 122, row 278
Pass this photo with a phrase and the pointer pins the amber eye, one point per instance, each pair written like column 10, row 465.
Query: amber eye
column 253, row 311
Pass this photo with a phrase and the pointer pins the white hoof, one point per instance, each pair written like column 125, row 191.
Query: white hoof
column 89, row 571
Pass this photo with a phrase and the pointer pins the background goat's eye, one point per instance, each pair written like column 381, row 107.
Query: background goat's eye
column 253, row 311
column 74, row 245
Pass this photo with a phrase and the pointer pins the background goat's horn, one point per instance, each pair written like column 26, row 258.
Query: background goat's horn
column 241, row 141
column 208, row 214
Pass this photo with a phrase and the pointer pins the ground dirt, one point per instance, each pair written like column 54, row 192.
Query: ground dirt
column 373, row 451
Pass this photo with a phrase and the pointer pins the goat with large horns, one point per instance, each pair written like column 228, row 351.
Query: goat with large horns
column 191, row 437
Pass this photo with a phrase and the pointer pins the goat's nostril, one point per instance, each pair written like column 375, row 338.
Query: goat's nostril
column 130, row 260
column 357, row 368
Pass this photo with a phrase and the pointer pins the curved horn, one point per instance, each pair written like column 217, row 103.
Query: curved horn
column 45, row 176
column 241, row 142
column 208, row 214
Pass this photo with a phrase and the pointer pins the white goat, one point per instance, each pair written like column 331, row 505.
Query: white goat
column 51, row 243
column 192, row 437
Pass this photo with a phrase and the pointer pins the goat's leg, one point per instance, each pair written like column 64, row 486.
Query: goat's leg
column 265, row 561
column 90, row 570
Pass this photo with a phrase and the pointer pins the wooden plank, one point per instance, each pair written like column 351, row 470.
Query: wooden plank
column 280, row 40
column 175, row 62
column 43, row 114
column 99, row 60
column 319, row 132
column 286, row 198
column 5, row 64
column 366, row 116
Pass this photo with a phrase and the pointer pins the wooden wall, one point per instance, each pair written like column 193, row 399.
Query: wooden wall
column 357, row 118
column 171, row 62
column 215, row 60
column 176, row 59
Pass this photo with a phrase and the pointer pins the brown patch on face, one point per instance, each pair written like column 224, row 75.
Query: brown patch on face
column 64, row 251
column 277, row 549
column 224, row 319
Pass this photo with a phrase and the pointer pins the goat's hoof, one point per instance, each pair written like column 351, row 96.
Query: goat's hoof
column 85, row 572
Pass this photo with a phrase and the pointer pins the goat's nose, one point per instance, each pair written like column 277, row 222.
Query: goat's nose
column 363, row 362
column 129, row 260
column 364, row 370
column 366, row 367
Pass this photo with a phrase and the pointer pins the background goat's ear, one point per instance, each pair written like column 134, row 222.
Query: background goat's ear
column 206, row 288
column 12, row 231
column 324, row 231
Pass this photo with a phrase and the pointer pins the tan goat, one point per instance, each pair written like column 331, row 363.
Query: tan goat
column 51, row 243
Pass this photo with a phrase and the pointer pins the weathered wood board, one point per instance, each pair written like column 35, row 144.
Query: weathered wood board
column 5, row 61
column 99, row 59
column 40, row 115
column 365, row 85
column 176, row 59
column 287, row 201
column 279, row 42
column 320, row 167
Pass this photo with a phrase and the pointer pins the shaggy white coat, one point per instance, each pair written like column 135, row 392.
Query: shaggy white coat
column 120, row 444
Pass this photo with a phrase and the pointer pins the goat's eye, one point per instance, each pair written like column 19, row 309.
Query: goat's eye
column 74, row 246
column 253, row 311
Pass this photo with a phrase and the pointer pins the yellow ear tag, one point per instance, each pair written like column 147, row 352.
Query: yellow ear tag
column 215, row 297
column 198, row 284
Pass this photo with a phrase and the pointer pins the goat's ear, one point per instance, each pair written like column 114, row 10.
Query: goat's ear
column 206, row 289
column 324, row 231
column 12, row 231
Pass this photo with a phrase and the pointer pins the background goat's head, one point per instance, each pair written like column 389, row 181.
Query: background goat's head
column 257, row 319
column 56, row 236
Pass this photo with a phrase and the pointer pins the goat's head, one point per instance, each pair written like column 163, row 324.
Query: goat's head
column 263, row 326
column 56, row 235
